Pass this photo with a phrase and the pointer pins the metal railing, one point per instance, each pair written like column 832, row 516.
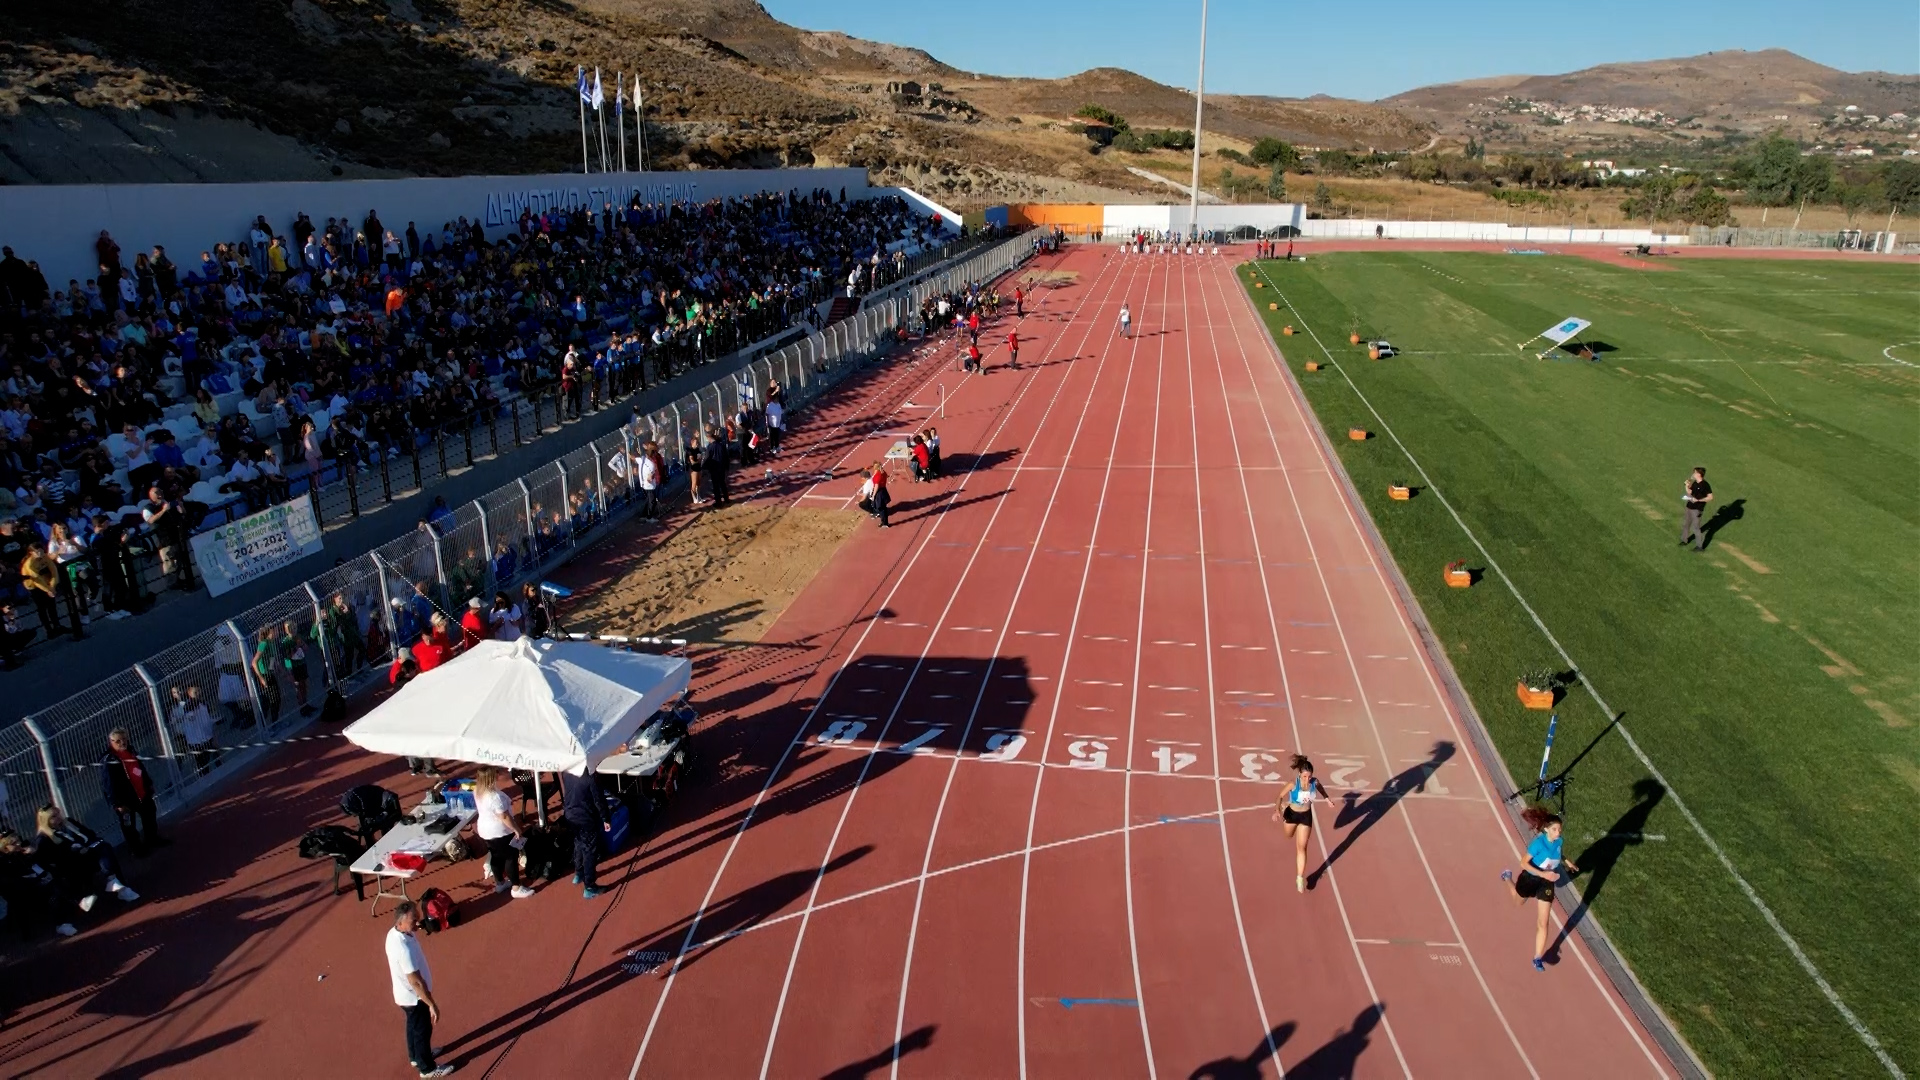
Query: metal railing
column 541, row 518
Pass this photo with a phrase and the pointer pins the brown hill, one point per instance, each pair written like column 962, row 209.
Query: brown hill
column 1717, row 93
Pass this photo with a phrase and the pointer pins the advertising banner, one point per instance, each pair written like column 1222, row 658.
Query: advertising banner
column 256, row 545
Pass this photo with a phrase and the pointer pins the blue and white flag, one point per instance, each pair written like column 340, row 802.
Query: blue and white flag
column 599, row 98
column 586, row 95
column 619, row 102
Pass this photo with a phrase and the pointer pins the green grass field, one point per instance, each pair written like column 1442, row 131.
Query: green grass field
column 1771, row 679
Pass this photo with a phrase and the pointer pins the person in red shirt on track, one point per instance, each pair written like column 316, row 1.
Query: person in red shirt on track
column 1013, row 350
column 1019, row 301
column 973, row 327
column 973, row 359
column 922, row 465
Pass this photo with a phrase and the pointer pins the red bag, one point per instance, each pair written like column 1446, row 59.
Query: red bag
column 437, row 910
column 407, row 860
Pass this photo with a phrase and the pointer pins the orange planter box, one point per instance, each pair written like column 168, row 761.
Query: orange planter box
column 1287, row 330
column 1353, row 339
column 1357, row 434
column 1458, row 576
column 1259, row 284
column 1373, row 354
column 1399, row 492
column 1533, row 699
column 1313, row 365
column 1273, row 307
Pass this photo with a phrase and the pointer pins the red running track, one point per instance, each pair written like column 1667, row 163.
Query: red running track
column 991, row 799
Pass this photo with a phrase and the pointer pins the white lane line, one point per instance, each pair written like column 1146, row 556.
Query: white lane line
column 1206, row 631
column 1133, row 710
column 1286, row 684
column 1033, row 550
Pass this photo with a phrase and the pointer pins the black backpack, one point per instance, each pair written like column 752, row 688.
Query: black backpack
column 330, row 842
column 549, row 852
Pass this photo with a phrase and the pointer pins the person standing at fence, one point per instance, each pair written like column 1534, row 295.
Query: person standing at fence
column 266, row 675
column 507, row 618
column 474, row 626
column 776, row 413
column 648, row 476
column 292, row 648
column 41, row 575
column 193, row 722
column 587, row 813
column 715, row 464
column 128, row 788
column 413, row 990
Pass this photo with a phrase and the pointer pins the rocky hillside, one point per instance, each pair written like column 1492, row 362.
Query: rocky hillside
column 1673, row 101
column 140, row 90
column 145, row 90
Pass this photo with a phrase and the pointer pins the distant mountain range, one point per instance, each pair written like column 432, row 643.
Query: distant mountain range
column 121, row 90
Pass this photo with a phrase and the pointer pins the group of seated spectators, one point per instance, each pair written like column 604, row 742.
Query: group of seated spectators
column 311, row 351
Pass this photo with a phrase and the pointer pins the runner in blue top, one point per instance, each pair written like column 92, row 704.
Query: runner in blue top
column 1539, row 875
column 1295, row 809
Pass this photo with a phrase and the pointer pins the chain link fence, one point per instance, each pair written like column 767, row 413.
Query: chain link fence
column 266, row 671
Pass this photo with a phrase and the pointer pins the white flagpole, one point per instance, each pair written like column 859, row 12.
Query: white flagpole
column 600, row 118
column 1199, row 96
column 619, row 122
column 640, row 119
column 579, row 85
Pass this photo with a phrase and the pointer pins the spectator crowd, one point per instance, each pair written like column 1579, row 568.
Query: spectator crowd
column 140, row 400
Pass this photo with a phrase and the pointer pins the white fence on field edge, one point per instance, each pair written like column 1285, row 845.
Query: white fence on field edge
column 542, row 518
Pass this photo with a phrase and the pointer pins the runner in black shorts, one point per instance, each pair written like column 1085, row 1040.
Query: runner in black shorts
column 1539, row 874
column 1295, row 812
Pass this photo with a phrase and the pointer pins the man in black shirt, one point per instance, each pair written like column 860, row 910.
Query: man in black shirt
column 1697, row 493
column 587, row 814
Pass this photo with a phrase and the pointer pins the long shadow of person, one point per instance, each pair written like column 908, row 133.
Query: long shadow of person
column 1249, row 1067
column 1596, row 863
column 918, row 1039
column 1336, row 1059
column 1722, row 518
column 1368, row 811
column 739, row 913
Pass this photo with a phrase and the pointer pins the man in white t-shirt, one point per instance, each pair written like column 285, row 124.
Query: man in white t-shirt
column 413, row 990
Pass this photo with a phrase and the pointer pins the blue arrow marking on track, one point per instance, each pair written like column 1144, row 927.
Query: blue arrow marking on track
column 1198, row 819
column 1125, row 1003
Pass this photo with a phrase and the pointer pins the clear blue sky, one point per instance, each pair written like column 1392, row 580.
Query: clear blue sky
column 1367, row 50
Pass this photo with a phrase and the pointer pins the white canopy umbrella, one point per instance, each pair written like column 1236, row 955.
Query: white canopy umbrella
column 554, row 706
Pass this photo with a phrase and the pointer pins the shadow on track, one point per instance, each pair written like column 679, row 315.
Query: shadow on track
column 1365, row 813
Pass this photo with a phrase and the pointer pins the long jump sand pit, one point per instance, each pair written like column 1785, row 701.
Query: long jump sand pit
column 720, row 576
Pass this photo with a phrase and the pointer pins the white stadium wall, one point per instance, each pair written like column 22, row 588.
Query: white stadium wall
column 57, row 224
column 949, row 221
column 1488, row 231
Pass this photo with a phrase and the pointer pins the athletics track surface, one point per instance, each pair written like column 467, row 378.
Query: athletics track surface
column 991, row 799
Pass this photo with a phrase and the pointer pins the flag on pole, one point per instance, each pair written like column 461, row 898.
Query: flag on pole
column 640, row 121
column 586, row 96
column 599, row 98
column 620, row 117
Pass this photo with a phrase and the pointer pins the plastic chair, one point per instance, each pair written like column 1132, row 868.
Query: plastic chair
column 374, row 810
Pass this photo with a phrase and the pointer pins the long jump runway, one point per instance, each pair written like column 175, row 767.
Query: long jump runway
column 1007, row 811
column 991, row 799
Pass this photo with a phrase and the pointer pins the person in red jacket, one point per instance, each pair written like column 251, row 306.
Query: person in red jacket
column 1013, row 350
column 1019, row 301
column 474, row 628
column 426, row 655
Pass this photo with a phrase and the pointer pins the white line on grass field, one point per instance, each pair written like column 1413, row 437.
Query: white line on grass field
column 1888, row 353
column 1793, row 946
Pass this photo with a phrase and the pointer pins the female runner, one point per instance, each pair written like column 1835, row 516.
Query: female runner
column 1539, row 875
column 1295, row 809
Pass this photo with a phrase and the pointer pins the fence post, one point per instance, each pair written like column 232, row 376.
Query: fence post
column 440, row 449
column 386, row 474
column 326, row 644
column 467, row 433
column 679, row 440
column 246, row 674
column 54, row 790
column 384, row 614
column 516, row 422
column 493, row 430
column 439, row 565
column 418, row 484
column 160, row 721
column 486, row 539
column 353, row 491
column 600, row 476
column 526, row 500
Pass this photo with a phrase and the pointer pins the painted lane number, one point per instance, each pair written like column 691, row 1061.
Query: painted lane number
column 1172, row 761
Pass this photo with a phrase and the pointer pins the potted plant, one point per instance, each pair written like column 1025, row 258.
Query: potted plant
column 1313, row 365
column 1353, row 331
column 1458, row 576
column 1536, row 688
column 1287, row 329
column 1399, row 492
column 1357, row 434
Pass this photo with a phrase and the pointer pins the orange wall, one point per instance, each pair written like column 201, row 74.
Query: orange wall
column 1085, row 215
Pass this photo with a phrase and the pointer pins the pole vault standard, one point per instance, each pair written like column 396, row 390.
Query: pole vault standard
column 1199, row 94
